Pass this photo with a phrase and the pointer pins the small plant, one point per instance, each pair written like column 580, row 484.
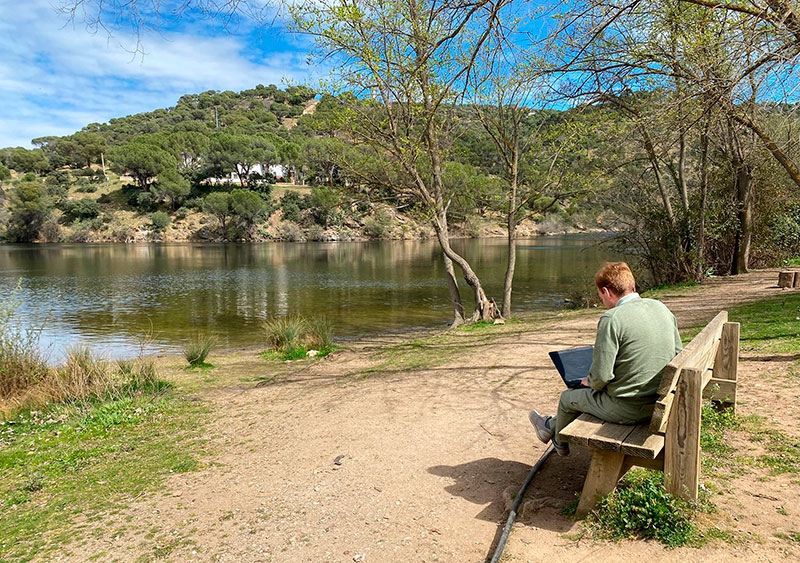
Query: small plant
column 286, row 334
column 197, row 350
column 292, row 337
column 640, row 507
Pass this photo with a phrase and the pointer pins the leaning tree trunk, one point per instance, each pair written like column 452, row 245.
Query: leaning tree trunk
column 485, row 309
column 455, row 294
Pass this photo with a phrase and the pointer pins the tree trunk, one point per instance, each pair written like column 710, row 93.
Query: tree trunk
column 512, row 264
column 701, row 225
column 485, row 308
column 744, row 234
column 455, row 294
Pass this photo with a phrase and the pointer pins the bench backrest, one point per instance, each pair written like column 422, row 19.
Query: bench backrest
column 701, row 353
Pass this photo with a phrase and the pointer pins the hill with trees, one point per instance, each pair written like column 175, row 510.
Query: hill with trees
column 272, row 164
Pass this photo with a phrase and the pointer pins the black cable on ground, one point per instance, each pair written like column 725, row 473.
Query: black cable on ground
column 498, row 550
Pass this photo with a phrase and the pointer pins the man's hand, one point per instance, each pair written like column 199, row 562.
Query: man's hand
column 585, row 381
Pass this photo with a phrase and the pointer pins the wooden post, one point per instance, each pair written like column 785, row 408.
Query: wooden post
column 787, row 279
column 605, row 470
column 682, row 440
column 726, row 367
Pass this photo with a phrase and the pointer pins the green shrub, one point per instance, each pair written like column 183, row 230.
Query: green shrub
column 378, row 226
column 160, row 220
column 640, row 507
column 140, row 375
column 84, row 208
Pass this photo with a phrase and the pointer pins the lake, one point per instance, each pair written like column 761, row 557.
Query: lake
column 120, row 299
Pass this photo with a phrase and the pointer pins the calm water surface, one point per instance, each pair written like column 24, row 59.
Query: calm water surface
column 113, row 297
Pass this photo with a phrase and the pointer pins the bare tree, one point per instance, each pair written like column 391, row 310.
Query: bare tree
column 407, row 64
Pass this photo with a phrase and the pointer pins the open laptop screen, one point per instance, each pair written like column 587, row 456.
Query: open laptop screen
column 573, row 364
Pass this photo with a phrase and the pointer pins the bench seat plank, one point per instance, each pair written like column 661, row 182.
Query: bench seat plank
column 580, row 430
column 643, row 443
column 610, row 437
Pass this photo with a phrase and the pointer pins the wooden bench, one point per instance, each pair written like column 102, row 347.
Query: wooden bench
column 705, row 368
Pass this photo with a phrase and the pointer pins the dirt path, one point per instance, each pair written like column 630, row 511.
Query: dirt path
column 417, row 467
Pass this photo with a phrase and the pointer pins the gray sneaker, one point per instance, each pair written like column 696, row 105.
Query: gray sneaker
column 542, row 426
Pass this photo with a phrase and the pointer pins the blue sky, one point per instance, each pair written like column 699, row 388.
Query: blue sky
column 56, row 77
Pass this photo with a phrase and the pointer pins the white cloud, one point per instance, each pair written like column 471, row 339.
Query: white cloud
column 56, row 78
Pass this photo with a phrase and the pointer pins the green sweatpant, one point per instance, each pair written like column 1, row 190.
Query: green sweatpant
column 574, row 402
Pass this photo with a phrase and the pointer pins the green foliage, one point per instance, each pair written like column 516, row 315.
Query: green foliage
column 378, row 226
column 290, row 206
column 197, row 349
column 324, row 206
column 83, row 208
column 31, row 161
column 160, row 220
column 141, row 160
column 291, row 337
column 29, row 207
column 171, row 187
column 640, row 507
column 247, row 208
column 218, row 204
column 81, row 149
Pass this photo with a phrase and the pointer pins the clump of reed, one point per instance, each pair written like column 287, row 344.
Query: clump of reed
column 29, row 381
column 197, row 349
column 294, row 337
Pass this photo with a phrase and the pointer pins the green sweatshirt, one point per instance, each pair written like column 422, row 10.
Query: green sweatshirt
column 635, row 340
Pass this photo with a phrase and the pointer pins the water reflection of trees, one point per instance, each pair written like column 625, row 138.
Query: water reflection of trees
column 176, row 290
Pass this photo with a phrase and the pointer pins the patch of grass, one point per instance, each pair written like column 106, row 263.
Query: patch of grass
column 570, row 508
column 770, row 325
column 410, row 355
column 640, row 507
column 197, row 349
column 782, row 452
column 714, row 440
column 78, row 460
column 671, row 290
column 293, row 337
column 793, row 537
column 477, row 326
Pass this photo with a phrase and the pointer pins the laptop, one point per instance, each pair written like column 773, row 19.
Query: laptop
column 573, row 364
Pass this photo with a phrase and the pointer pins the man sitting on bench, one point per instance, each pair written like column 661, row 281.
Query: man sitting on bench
column 635, row 339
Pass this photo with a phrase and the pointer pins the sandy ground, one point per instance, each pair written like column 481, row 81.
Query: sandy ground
column 418, row 466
